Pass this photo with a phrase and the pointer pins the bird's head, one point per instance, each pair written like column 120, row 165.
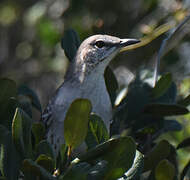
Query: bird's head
column 95, row 53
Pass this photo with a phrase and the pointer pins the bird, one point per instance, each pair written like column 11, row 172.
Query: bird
column 84, row 79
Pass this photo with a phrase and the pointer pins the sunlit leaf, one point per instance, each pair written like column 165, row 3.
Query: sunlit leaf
column 162, row 85
column 135, row 171
column 185, row 171
column 184, row 143
column 185, row 102
column 21, row 133
column 76, row 122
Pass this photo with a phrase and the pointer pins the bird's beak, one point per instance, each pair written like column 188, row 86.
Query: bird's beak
column 127, row 42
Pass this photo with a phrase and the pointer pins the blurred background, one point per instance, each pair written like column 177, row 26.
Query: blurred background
column 30, row 34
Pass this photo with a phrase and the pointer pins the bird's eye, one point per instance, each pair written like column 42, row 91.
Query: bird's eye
column 100, row 44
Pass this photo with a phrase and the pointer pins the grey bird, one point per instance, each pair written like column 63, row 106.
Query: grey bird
column 84, row 79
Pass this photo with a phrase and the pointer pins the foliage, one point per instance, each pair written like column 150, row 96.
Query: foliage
column 118, row 157
column 133, row 150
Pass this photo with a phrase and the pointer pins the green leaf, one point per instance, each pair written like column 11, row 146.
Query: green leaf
column 21, row 133
column 10, row 160
column 62, row 157
column 130, row 109
column 169, row 97
column 46, row 162
column 111, row 84
column 164, row 170
column 76, row 122
column 8, row 101
column 135, row 171
column 17, row 132
column 97, row 132
column 158, row 153
column 70, row 43
column 76, row 171
column 38, row 130
column 162, row 85
column 44, row 148
column 184, row 143
column 159, row 109
column 185, row 171
column 32, row 171
column 185, row 102
column 118, row 152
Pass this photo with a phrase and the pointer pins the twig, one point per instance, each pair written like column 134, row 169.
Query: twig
column 163, row 46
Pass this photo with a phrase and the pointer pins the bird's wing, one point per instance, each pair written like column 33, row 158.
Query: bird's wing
column 47, row 116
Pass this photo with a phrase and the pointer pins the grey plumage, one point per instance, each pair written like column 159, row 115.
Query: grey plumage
column 84, row 79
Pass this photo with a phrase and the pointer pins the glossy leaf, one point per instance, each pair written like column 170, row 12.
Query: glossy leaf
column 164, row 170
column 185, row 101
column 97, row 132
column 17, row 132
column 10, row 160
column 158, row 153
column 21, row 133
column 162, row 85
column 26, row 91
column 184, row 143
column 135, row 171
column 130, row 109
column 76, row 122
column 70, row 43
column 32, row 169
column 185, row 171
column 38, row 130
column 169, row 97
column 118, row 152
column 165, row 109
